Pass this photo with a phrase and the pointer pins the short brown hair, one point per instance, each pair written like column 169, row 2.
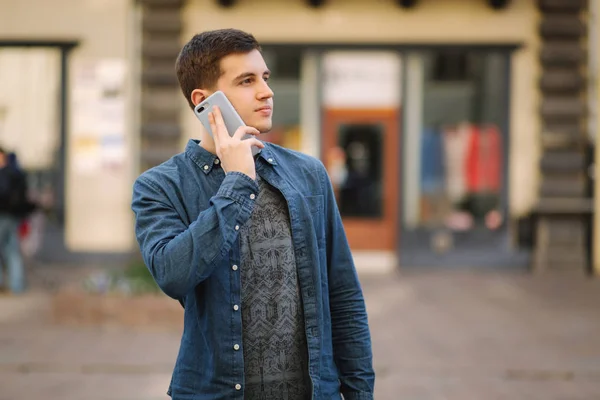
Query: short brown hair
column 198, row 65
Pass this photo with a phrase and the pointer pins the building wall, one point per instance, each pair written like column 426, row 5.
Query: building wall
column 432, row 21
column 97, row 205
column 594, row 82
column 98, row 217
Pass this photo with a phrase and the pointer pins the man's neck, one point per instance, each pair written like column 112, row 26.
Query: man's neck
column 207, row 142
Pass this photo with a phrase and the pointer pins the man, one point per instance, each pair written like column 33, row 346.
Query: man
column 254, row 248
column 14, row 206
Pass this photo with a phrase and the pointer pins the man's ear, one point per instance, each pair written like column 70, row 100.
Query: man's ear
column 198, row 96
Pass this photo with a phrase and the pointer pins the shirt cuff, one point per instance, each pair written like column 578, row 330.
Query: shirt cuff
column 240, row 188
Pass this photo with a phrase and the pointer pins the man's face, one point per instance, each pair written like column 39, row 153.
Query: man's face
column 244, row 82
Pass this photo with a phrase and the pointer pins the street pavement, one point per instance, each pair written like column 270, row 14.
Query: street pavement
column 437, row 335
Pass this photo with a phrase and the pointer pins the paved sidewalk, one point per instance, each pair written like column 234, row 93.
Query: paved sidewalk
column 437, row 336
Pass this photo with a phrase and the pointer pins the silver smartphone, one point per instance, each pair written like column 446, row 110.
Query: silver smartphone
column 230, row 116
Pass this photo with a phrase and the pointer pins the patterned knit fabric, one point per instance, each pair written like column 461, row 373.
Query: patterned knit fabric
column 274, row 341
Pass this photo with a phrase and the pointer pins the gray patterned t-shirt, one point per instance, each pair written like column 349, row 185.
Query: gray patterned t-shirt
column 274, row 342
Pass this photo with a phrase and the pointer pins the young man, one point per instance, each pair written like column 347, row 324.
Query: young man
column 14, row 206
column 254, row 248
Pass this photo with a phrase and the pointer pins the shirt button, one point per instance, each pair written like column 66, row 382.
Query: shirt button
column 270, row 160
column 237, row 227
column 238, row 387
column 206, row 167
column 217, row 161
column 252, row 196
column 236, row 307
column 236, row 346
column 234, row 268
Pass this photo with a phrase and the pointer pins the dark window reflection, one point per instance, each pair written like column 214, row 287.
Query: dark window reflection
column 360, row 191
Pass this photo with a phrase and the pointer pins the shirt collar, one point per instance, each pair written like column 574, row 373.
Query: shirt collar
column 203, row 158
column 206, row 160
column 267, row 154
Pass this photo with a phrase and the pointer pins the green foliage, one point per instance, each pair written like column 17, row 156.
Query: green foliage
column 135, row 279
column 139, row 278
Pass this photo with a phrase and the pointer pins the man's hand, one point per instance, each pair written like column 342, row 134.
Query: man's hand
column 235, row 153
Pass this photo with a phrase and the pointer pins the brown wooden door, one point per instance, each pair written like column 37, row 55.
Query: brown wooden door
column 365, row 144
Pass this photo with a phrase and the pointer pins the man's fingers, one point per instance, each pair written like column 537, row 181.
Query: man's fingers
column 213, row 127
column 221, row 130
column 255, row 142
column 217, row 126
column 244, row 130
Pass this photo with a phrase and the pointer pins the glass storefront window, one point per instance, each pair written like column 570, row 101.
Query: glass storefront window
column 455, row 121
column 285, row 66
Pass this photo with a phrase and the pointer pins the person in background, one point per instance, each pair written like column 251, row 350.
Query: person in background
column 14, row 207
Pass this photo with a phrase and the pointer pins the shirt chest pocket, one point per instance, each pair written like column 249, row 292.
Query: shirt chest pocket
column 316, row 208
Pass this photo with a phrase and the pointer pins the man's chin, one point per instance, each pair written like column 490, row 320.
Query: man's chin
column 263, row 128
column 263, row 125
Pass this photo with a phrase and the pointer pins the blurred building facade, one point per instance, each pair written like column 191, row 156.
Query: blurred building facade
column 443, row 123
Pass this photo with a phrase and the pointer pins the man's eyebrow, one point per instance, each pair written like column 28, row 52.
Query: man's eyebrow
column 244, row 75
column 249, row 75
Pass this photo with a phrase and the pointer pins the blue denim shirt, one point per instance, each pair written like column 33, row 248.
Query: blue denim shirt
column 188, row 215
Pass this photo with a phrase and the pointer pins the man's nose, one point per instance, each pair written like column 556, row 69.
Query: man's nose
column 265, row 91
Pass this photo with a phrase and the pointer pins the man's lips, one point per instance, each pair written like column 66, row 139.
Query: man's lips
column 264, row 108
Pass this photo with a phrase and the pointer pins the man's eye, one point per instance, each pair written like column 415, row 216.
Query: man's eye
column 266, row 78
column 246, row 81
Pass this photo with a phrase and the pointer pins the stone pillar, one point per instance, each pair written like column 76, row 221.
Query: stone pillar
column 565, row 204
column 160, row 92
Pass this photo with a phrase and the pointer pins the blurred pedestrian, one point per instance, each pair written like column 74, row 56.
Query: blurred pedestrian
column 14, row 207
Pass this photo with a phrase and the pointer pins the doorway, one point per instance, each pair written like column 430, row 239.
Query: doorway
column 360, row 139
column 33, row 102
column 360, row 151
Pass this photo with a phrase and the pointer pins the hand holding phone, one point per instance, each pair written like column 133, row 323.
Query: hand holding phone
column 234, row 151
column 231, row 118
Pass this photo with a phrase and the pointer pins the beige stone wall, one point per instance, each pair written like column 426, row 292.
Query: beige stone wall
column 98, row 215
column 595, row 126
column 433, row 21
